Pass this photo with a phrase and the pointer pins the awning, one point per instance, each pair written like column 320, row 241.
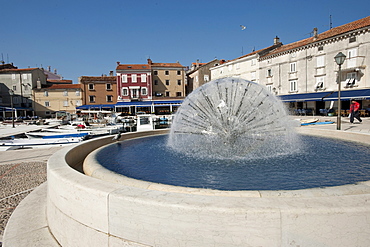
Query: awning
column 360, row 94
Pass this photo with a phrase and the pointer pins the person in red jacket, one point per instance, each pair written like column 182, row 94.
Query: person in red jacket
column 354, row 111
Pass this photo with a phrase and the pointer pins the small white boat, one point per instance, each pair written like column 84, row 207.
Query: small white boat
column 56, row 135
column 36, row 143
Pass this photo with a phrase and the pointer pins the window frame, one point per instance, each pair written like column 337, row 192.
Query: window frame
column 92, row 98
column 293, row 86
column 293, row 67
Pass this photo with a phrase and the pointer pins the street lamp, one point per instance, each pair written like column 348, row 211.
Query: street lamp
column 339, row 59
column 11, row 93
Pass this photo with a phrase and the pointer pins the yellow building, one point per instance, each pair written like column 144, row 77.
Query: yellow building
column 57, row 97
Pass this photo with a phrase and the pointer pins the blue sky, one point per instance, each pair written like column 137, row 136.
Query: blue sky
column 87, row 38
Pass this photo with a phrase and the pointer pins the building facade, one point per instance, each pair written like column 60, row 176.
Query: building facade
column 304, row 73
column 200, row 73
column 143, row 82
column 21, row 83
column 168, row 80
column 98, row 90
column 57, row 97
column 134, row 82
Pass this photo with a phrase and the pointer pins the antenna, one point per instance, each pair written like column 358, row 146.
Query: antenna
column 331, row 24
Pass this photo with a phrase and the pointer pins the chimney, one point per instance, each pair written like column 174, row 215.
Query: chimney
column 118, row 63
column 111, row 73
column 55, row 71
column 276, row 40
column 49, row 68
column 315, row 33
column 150, row 61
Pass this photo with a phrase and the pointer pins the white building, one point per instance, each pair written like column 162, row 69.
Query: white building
column 304, row 73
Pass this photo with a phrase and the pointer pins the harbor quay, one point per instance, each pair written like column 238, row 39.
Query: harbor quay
column 24, row 170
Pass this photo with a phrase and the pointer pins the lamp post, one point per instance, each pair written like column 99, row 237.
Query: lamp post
column 339, row 59
column 11, row 93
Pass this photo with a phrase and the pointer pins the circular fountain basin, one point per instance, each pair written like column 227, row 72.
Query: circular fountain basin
column 321, row 162
column 102, row 208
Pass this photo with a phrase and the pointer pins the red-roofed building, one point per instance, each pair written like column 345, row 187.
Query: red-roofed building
column 143, row 82
column 57, row 97
column 98, row 89
column 304, row 73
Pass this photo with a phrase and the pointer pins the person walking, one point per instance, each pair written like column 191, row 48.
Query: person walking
column 354, row 111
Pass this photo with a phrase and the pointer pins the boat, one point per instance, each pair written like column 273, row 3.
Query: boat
column 36, row 143
column 56, row 135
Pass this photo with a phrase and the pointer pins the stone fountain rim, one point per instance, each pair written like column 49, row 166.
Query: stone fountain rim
column 93, row 169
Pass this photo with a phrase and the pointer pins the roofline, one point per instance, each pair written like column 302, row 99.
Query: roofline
column 317, row 41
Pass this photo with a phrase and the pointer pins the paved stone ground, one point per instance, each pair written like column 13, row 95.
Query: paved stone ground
column 17, row 180
column 20, row 172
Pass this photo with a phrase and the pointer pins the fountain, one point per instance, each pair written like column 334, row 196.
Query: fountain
column 102, row 208
column 233, row 134
column 230, row 118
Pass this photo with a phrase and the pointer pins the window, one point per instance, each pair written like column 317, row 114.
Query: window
column 167, row 94
column 319, row 83
column 91, row 98
column 351, row 79
column 46, row 93
column 143, row 78
column 293, row 67
column 13, row 76
column 155, row 72
column 293, row 86
column 78, row 92
column 179, row 82
column 14, row 88
column 166, row 72
column 320, row 48
column 47, row 104
column 144, row 91
column 65, row 103
column 253, row 75
column 124, row 78
column 351, row 58
column 134, row 78
column 237, row 66
column 24, row 76
column 320, row 61
column 206, row 78
column 124, row 91
column 78, row 102
column 352, row 39
column 269, row 73
column 109, row 98
column 178, row 94
column 155, row 82
column 167, row 82
column 179, row 72
column 65, row 93
column 253, row 61
column 91, row 86
column 269, row 88
column 230, row 67
column 108, row 86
